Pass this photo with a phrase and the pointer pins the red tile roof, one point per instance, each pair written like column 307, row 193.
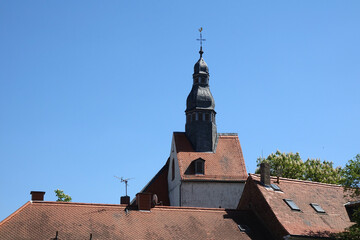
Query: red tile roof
column 269, row 204
column 226, row 164
column 41, row 220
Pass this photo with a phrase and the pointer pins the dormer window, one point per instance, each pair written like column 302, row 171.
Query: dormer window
column 199, row 166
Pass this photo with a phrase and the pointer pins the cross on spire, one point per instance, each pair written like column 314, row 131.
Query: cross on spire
column 201, row 40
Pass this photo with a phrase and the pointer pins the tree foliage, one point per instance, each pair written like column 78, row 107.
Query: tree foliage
column 353, row 232
column 318, row 171
column 351, row 176
column 62, row 197
column 290, row 165
column 351, row 182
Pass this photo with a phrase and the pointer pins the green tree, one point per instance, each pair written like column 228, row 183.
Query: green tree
column 318, row 171
column 351, row 176
column 62, row 197
column 351, row 182
column 290, row 165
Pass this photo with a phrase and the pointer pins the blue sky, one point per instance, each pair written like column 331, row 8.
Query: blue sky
column 93, row 89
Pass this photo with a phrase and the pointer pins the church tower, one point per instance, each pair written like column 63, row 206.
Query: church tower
column 205, row 168
column 200, row 127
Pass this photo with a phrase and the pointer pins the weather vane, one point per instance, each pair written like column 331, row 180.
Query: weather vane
column 201, row 39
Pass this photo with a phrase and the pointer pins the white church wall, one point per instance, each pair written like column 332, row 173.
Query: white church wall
column 174, row 184
column 211, row 194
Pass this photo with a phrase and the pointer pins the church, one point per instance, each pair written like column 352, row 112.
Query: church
column 203, row 191
column 205, row 168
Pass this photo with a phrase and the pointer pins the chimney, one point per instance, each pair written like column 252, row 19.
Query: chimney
column 37, row 196
column 125, row 200
column 265, row 173
column 144, row 201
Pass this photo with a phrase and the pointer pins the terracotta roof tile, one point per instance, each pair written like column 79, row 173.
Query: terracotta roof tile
column 227, row 163
column 41, row 220
column 306, row 221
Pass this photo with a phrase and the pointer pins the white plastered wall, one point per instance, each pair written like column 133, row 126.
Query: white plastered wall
column 174, row 185
column 211, row 194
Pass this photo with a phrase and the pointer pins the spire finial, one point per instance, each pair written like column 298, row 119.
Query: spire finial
column 201, row 40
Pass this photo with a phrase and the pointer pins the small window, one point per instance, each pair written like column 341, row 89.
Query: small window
column 275, row 187
column 196, row 80
column 173, row 170
column 292, row 205
column 199, row 166
column 317, row 208
column 188, row 118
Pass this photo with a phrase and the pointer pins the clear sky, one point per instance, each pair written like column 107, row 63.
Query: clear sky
column 93, row 89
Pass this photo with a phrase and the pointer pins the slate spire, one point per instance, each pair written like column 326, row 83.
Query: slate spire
column 200, row 127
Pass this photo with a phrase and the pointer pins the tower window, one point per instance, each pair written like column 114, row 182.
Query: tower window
column 197, row 116
column 188, row 118
column 196, row 80
column 193, row 117
column 207, row 117
column 201, row 116
column 199, row 166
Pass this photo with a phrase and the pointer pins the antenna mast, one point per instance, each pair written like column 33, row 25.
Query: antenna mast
column 125, row 180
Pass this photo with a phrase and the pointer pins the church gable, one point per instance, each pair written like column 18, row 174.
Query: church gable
column 226, row 163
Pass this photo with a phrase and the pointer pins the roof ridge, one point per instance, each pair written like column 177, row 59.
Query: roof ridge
column 300, row 181
column 79, row 204
column 227, row 134
column 182, row 208
column 14, row 213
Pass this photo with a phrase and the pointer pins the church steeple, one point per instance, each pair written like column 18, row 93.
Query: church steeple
column 200, row 127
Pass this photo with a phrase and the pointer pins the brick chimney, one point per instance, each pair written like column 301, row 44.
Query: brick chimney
column 265, row 173
column 125, row 200
column 144, row 201
column 37, row 196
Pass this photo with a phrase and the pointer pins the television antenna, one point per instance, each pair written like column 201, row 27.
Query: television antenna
column 124, row 180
